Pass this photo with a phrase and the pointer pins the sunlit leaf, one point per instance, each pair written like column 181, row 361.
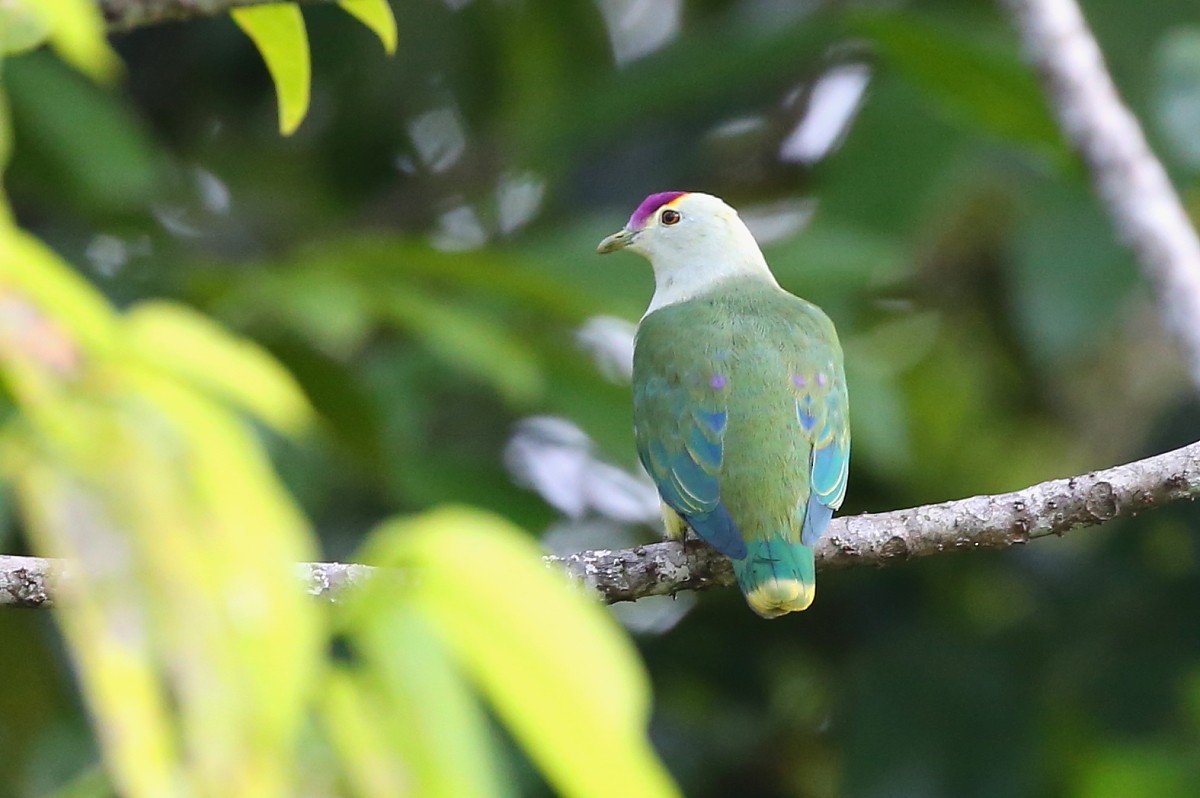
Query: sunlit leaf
column 419, row 700
column 180, row 341
column 376, row 15
column 216, row 524
column 108, row 637
column 277, row 30
column 77, row 34
column 356, row 727
column 553, row 663
column 30, row 266
column 190, row 631
column 22, row 27
column 5, row 152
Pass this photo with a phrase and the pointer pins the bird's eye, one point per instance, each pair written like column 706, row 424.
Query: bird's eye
column 669, row 216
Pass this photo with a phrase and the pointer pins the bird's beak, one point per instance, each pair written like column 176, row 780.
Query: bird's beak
column 618, row 240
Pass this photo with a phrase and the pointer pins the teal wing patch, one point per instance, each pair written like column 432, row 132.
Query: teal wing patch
column 823, row 415
column 679, row 441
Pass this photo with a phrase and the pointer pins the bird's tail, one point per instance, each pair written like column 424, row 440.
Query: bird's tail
column 776, row 576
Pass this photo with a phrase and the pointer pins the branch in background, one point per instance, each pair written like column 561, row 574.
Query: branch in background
column 1134, row 187
column 657, row 569
column 123, row 15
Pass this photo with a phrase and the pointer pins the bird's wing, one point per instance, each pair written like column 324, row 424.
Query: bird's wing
column 679, row 441
column 822, row 411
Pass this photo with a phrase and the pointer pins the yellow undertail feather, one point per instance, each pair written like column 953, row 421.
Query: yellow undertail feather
column 775, row 597
column 673, row 524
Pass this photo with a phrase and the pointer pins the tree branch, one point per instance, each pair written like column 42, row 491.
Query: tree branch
column 1131, row 182
column 657, row 569
column 123, row 15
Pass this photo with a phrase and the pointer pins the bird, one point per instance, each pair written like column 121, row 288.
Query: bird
column 740, row 409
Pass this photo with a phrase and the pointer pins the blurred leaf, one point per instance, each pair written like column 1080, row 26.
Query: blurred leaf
column 834, row 257
column 1177, row 95
column 1135, row 771
column 356, row 727
column 880, row 424
column 23, row 26
column 970, row 80
column 5, row 148
column 488, row 272
column 469, row 341
column 376, row 15
column 683, row 83
column 553, row 663
column 77, row 35
column 29, row 265
column 191, row 632
column 91, row 783
column 1070, row 278
column 180, row 341
column 418, row 703
column 83, row 134
column 277, row 30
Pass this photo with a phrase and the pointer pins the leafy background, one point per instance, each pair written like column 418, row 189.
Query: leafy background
column 419, row 256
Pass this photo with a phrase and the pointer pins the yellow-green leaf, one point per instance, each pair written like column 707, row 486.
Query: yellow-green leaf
column 421, row 701
column 77, row 35
column 22, row 27
column 5, row 153
column 182, row 342
column 376, row 15
column 57, row 289
column 357, row 731
column 556, row 667
column 277, row 30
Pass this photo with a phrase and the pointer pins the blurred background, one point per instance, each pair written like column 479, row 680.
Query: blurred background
column 420, row 255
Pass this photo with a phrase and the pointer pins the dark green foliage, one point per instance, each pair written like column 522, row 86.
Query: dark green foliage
column 995, row 335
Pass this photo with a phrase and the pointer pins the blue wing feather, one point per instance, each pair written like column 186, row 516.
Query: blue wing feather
column 829, row 467
column 681, row 391
column 685, row 466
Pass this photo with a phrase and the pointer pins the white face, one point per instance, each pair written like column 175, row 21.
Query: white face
column 692, row 242
column 697, row 224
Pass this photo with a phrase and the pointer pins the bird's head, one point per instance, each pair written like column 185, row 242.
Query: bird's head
column 691, row 240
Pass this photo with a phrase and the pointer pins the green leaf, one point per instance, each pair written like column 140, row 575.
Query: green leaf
column 376, row 15
column 970, row 80
column 554, row 664
column 356, row 727
column 193, row 635
column 413, row 700
column 77, row 35
column 85, row 136
column 1133, row 770
column 467, row 340
column 1177, row 100
column 22, row 27
column 5, row 152
column 181, row 341
column 277, row 30
column 38, row 272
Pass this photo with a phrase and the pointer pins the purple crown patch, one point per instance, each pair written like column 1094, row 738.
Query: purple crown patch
column 651, row 204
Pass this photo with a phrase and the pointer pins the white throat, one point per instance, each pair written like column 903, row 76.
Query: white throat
column 683, row 273
column 680, row 285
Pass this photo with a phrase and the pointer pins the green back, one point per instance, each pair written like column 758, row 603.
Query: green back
column 741, row 416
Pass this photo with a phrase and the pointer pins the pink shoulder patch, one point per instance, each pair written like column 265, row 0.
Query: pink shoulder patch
column 651, row 204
